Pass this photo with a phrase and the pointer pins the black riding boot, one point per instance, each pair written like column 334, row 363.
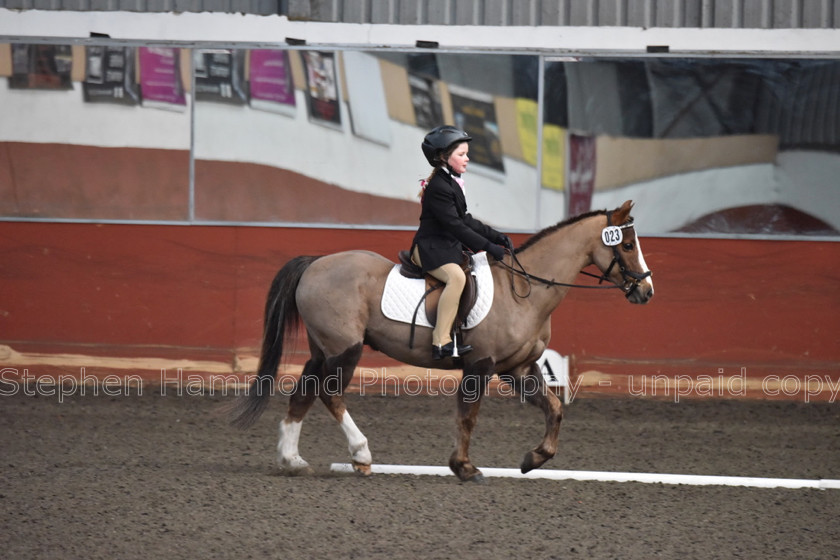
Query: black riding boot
column 448, row 350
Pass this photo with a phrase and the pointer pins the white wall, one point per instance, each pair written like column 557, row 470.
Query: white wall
column 806, row 181
column 63, row 117
column 810, row 181
column 668, row 203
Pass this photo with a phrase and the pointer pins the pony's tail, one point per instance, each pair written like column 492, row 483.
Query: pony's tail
column 281, row 320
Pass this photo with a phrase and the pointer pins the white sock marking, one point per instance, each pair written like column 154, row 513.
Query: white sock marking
column 356, row 441
column 288, row 456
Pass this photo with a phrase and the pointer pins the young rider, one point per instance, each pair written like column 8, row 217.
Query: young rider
column 446, row 229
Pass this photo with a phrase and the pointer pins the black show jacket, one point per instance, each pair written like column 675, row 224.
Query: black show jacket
column 445, row 225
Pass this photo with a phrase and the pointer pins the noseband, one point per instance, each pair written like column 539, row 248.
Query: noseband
column 631, row 278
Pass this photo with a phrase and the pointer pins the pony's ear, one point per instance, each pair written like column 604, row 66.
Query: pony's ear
column 622, row 214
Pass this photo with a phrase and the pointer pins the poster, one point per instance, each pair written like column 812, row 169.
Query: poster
column 220, row 76
column 160, row 78
column 110, row 75
column 554, row 157
column 366, row 101
column 41, row 67
column 526, row 126
column 475, row 113
column 553, row 144
column 322, row 87
column 581, row 173
column 271, row 85
column 425, row 98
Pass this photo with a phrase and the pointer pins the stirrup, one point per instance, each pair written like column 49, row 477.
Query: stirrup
column 450, row 350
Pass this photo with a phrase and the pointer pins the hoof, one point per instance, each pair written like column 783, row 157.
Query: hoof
column 532, row 460
column 299, row 471
column 477, row 478
column 296, row 466
column 465, row 471
column 362, row 469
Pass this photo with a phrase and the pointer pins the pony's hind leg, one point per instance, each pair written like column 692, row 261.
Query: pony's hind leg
column 357, row 443
column 530, row 385
column 339, row 371
column 300, row 401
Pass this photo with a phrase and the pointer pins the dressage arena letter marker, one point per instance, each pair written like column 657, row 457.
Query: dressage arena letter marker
column 612, row 236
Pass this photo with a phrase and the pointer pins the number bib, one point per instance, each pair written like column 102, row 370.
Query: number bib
column 612, row 236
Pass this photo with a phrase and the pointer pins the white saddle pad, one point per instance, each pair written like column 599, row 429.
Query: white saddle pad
column 401, row 295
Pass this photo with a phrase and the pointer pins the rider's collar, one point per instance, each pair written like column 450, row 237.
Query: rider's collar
column 445, row 167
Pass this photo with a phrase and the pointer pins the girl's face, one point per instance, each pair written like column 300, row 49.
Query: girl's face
column 458, row 160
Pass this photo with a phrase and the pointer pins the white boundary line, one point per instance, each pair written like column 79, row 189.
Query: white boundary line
column 649, row 478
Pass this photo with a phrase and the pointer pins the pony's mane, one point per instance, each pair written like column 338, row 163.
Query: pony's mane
column 551, row 229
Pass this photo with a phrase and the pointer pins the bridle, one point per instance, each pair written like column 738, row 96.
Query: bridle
column 631, row 278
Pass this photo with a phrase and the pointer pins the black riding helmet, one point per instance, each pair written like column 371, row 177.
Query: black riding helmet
column 441, row 139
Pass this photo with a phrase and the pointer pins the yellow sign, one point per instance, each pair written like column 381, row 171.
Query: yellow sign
column 526, row 122
column 554, row 157
column 554, row 144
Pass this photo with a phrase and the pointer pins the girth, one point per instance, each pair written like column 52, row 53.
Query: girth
column 433, row 291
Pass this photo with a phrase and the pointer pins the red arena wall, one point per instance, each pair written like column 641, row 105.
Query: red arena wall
column 729, row 316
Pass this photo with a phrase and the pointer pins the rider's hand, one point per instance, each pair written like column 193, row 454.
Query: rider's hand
column 505, row 242
column 495, row 250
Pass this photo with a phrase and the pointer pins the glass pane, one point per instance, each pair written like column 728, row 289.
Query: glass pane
column 704, row 146
column 94, row 132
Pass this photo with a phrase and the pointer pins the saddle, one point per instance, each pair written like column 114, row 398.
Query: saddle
column 431, row 296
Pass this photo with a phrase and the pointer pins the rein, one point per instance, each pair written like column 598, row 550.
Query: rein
column 548, row 283
column 631, row 279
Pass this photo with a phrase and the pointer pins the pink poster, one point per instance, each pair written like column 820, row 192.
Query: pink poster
column 271, row 77
column 581, row 173
column 160, row 78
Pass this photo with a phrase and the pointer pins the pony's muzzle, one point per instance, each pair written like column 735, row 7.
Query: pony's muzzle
column 640, row 292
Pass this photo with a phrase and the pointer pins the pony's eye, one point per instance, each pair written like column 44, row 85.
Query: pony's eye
column 627, row 246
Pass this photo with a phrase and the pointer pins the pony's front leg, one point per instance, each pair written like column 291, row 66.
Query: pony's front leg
column 470, row 391
column 529, row 383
